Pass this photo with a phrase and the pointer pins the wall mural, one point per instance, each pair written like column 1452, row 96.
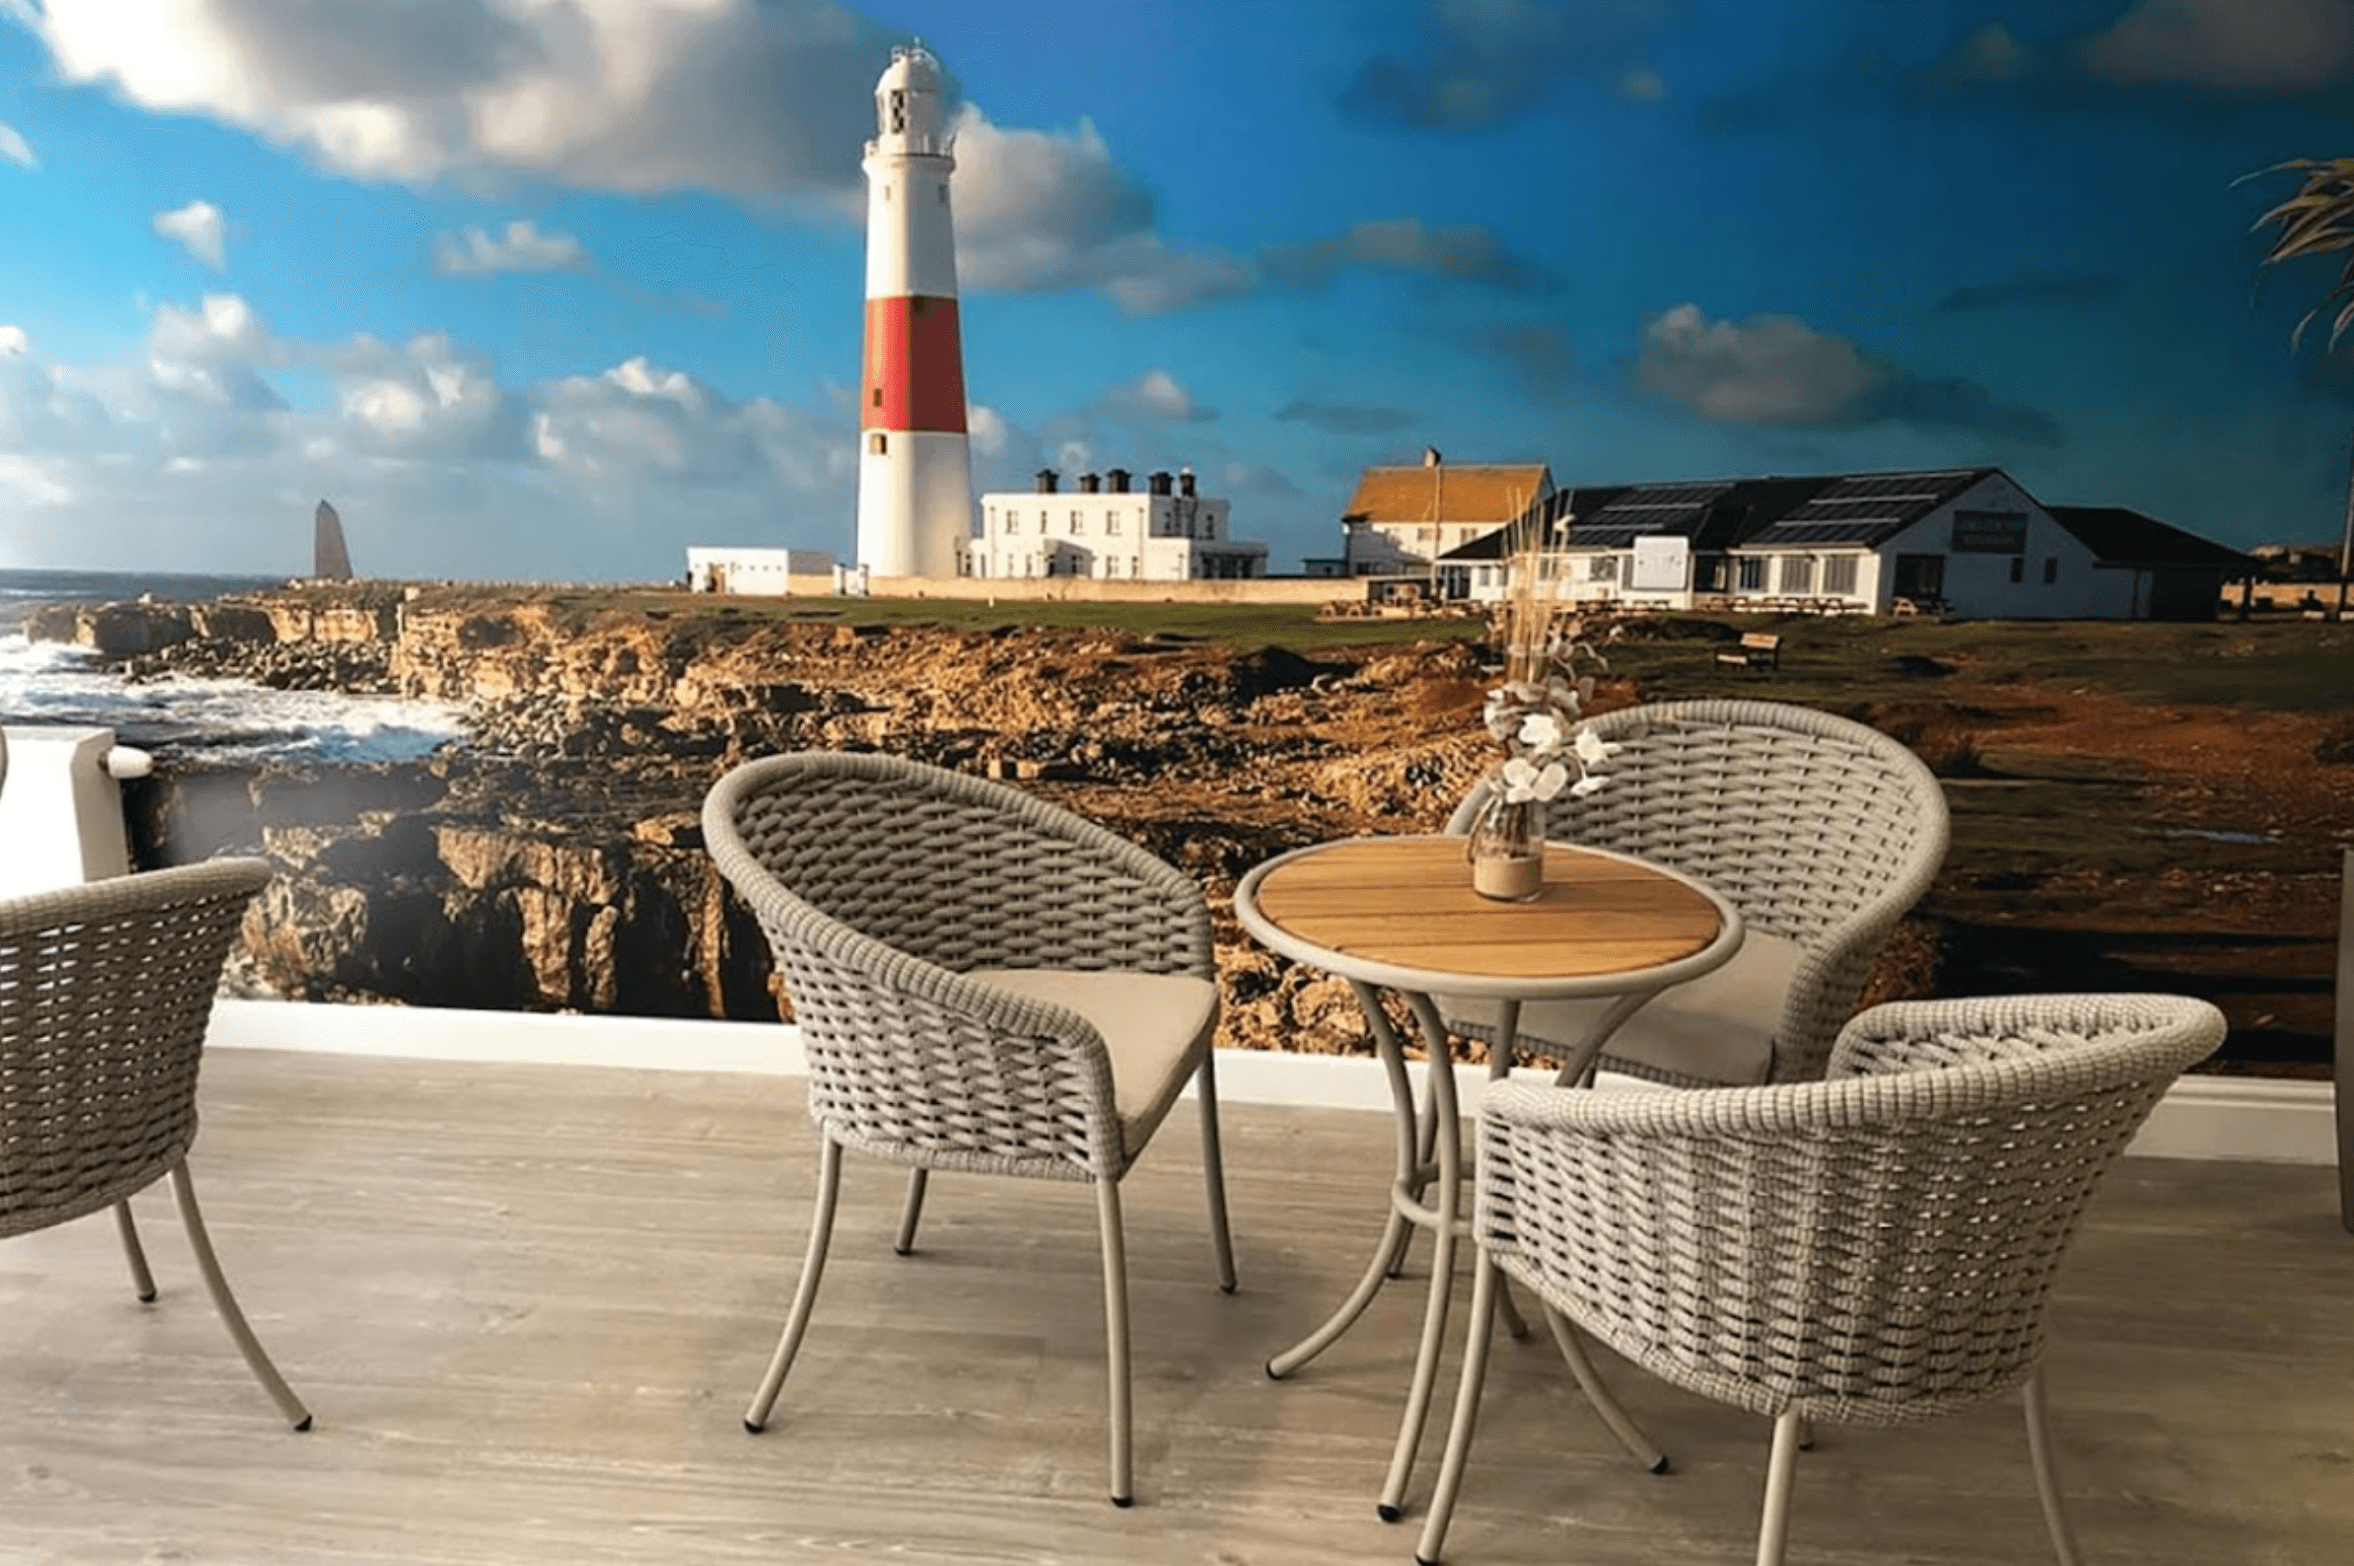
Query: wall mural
column 527, row 295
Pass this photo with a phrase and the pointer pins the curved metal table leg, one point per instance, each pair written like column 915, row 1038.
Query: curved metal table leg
column 1441, row 1215
column 1408, row 1177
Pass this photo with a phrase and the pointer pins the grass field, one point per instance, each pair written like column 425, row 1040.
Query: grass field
column 2280, row 665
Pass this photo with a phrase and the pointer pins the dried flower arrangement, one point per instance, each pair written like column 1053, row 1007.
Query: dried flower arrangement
column 1537, row 713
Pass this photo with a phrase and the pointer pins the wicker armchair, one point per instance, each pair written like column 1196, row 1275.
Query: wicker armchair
column 984, row 982
column 1821, row 831
column 106, row 990
column 1875, row 1248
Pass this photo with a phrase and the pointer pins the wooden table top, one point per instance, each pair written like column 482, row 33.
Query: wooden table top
column 1407, row 902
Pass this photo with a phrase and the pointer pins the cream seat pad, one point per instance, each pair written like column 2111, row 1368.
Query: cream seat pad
column 1719, row 1026
column 1152, row 1026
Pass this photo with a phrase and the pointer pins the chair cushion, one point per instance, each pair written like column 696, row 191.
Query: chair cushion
column 1718, row 1027
column 1154, row 1027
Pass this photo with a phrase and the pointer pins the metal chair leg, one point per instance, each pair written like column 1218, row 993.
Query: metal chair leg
column 813, row 1266
column 2047, row 1474
column 1205, row 1088
column 1630, row 1435
column 226, row 1303
column 912, row 1212
column 1115, row 1321
column 1773, row 1529
column 141, row 1278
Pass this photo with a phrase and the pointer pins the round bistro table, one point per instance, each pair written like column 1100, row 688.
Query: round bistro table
column 1399, row 914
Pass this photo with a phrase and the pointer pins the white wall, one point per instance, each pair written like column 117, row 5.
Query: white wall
column 1979, row 586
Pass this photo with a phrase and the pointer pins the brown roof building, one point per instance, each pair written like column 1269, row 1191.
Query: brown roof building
column 1403, row 518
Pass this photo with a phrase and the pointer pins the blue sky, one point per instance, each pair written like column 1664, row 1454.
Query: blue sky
column 553, row 291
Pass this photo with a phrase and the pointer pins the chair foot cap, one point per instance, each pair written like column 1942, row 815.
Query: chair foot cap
column 753, row 1429
column 1659, row 1467
column 303, row 1425
column 147, row 1298
column 903, row 1250
column 1389, row 1513
column 1423, row 1560
column 1123, row 1501
column 1225, row 1288
column 1272, row 1373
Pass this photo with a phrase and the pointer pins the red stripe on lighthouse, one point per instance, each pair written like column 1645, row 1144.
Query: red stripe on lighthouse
column 914, row 366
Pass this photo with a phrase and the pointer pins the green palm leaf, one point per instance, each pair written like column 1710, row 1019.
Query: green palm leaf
column 2317, row 220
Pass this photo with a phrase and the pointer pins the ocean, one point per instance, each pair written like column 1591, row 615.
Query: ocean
column 224, row 721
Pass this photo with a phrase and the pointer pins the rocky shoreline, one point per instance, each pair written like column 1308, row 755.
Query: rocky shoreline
column 553, row 860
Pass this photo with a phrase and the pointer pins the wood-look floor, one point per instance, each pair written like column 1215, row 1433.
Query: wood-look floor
column 528, row 1304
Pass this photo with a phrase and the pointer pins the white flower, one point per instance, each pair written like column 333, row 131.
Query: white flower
column 1541, row 732
column 1592, row 748
column 1584, row 786
column 1526, row 782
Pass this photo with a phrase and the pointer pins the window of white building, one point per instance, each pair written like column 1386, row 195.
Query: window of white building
column 1078, row 523
column 1839, row 574
column 1753, row 573
column 1602, row 568
column 1798, row 573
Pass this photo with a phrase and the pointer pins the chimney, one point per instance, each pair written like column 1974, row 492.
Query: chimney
column 1431, row 457
column 1119, row 478
column 1089, row 484
column 1047, row 479
column 1185, row 482
column 1159, row 483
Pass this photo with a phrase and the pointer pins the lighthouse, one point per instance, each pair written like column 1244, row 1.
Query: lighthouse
column 915, row 483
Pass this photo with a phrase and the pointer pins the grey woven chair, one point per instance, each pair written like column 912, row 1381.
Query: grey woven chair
column 1876, row 1248
column 1821, row 831
column 106, row 990
column 984, row 982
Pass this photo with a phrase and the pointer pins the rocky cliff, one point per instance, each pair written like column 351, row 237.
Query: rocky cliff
column 553, row 860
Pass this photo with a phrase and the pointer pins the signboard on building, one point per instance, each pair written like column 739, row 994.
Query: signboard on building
column 1662, row 564
column 1990, row 532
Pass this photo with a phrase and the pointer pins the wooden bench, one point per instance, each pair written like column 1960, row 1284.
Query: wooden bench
column 1760, row 652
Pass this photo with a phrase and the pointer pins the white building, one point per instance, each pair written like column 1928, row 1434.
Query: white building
column 777, row 571
column 1969, row 541
column 1106, row 531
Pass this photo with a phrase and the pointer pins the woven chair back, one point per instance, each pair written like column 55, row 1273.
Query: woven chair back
column 106, row 990
column 878, row 883
column 1875, row 1248
column 1805, row 821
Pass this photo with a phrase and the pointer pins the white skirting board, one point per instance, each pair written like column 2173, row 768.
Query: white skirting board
column 2261, row 1119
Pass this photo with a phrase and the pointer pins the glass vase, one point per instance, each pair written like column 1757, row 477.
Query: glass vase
column 1507, row 851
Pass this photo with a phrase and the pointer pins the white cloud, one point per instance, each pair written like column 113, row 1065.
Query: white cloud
column 15, row 149
column 520, row 248
column 428, row 399
column 2229, row 45
column 1156, row 394
column 1776, row 371
column 1772, row 369
column 986, row 428
column 200, row 229
column 213, row 354
column 31, row 484
column 189, row 460
column 1040, row 210
column 13, row 341
column 747, row 96
column 1465, row 254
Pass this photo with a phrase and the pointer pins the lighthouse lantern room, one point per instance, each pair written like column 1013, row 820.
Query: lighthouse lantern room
column 915, row 490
